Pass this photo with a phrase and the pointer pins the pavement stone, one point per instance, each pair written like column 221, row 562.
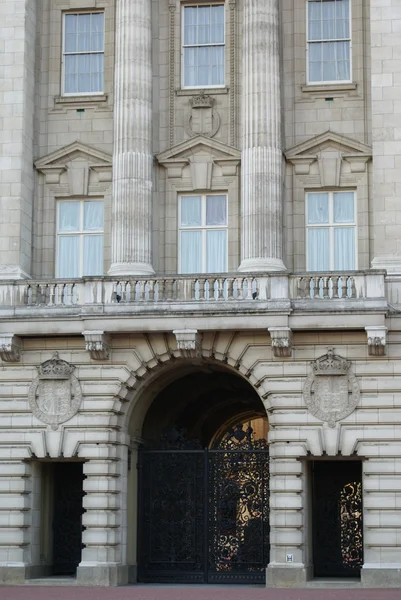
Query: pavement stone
column 155, row 592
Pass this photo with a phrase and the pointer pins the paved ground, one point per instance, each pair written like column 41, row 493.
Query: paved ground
column 37, row 592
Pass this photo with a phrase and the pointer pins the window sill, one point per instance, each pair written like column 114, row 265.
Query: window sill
column 205, row 90
column 324, row 89
column 80, row 100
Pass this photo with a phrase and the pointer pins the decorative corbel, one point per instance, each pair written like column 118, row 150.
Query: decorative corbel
column 188, row 342
column 10, row 347
column 281, row 340
column 377, row 340
column 97, row 344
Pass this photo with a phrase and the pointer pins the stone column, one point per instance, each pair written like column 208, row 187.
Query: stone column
column 132, row 159
column 262, row 158
column 17, row 107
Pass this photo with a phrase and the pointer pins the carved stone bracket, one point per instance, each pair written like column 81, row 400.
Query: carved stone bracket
column 377, row 340
column 188, row 342
column 10, row 347
column 97, row 344
column 281, row 339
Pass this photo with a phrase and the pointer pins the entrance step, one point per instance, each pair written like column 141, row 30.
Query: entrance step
column 334, row 583
column 52, row 580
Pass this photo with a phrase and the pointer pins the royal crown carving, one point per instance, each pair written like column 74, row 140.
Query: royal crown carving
column 55, row 395
column 202, row 101
column 331, row 391
column 55, row 368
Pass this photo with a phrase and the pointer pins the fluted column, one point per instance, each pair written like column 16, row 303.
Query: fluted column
column 132, row 159
column 262, row 158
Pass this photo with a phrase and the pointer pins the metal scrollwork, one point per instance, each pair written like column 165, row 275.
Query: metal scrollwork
column 351, row 525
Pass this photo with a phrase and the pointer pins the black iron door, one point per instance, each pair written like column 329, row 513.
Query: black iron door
column 203, row 514
column 67, row 517
column 337, row 518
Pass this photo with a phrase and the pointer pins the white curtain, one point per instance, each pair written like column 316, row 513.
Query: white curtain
column 70, row 77
column 93, row 216
column 191, row 211
column 69, row 216
column 68, row 256
column 343, row 208
column 318, row 249
column 318, row 208
column 216, row 251
column 93, row 255
column 97, row 32
column 84, row 31
column 70, row 34
column 191, row 251
column 216, row 210
column 343, row 60
column 344, row 248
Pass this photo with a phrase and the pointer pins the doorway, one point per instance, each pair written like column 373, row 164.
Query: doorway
column 203, row 480
column 337, row 518
column 67, row 517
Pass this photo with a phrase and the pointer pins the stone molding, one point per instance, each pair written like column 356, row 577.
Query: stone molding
column 281, row 340
column 377, row 340
column 10, row 347
column 97, row 344
column 188, row 342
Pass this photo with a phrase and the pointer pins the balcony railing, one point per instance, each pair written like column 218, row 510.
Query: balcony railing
column 210, row 290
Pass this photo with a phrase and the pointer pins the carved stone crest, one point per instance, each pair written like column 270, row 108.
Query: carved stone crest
column 203, row 118
column 55, row 395
column 331, row 391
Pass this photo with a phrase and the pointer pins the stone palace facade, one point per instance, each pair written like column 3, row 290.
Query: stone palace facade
column 200, row 291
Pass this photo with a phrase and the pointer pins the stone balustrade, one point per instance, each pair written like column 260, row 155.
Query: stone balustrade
column 200, row 290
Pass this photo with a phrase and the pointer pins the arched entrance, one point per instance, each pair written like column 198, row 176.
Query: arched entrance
column 204, row 482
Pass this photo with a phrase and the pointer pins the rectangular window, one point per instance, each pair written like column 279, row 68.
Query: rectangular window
column 203, row 45
column 329, row 41
column 80, row 227
column 203, row 234
column 331, row 231
column 83, row 53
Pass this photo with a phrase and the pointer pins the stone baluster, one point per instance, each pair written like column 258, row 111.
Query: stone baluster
column 132, row 159
column 262, row 158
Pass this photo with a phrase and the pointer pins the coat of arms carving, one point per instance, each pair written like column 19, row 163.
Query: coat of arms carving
column 331, row 391
column 55, row 395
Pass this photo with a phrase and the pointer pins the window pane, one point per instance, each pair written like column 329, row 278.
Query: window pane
column 217, row 28
column 344, row 248
column 93, row 255
column 344, row 207
column 318, row 208
column 93, row 216
column 318, row 249
column 71, row 76
column 216, row 210
column 84, row 79
column 191, row 251
column 190, row 30
column 97, row 32
column 97, row 70
column 84, row 25
column 204, row 25
column 70, row 41
column 314, row 20
column 190, row 70
column 68, row 256
column 69, row 216
column 216, row 251
column 191, row 211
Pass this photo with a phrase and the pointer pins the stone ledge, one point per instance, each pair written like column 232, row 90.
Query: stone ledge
column 381, row 578
column 103, row 575
column 286, row 577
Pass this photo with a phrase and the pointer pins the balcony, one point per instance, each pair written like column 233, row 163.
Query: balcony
column 195, row 296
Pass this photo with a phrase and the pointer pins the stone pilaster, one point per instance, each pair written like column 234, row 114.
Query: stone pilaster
column 105, row 503
column 262, row 159
column 15, row 517
column 132, row 159
column 287, row 567
column 17, row 47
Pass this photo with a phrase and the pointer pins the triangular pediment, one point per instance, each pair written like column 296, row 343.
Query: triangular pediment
column 199, row 144
column 328, row 140
column 75, row 151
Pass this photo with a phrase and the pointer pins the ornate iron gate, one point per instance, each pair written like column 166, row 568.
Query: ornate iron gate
column 337, row 518
column 204, row 514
